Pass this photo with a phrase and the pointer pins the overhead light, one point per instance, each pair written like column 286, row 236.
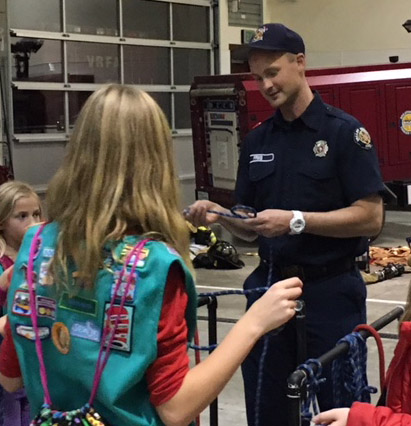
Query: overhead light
column 407, row 25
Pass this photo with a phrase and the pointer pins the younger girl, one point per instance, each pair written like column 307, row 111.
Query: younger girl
column 19, row 209
column 112, row 278
column 396, row 395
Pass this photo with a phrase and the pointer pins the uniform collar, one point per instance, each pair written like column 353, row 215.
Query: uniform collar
column 311, row 117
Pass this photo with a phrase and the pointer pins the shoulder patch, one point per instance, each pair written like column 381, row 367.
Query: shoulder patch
column 362, row 138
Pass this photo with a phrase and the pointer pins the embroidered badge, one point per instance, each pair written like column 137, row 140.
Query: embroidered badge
column 86, row 330
column 44, row 277
column 261, row 158
column 132, row 289
column 48, row 252
column 23, row 267
column 122, row 336
column 78, row 304
column 259, row 34
column 362, row 138
column 46, row 307
column 21, row 303
column 27, row 332
column 405, row 122
column 141, row 258
column 61, row 337
column 320, row 148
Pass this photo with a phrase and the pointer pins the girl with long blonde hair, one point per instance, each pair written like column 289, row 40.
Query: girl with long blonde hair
column 111, row 274
column 20, row 208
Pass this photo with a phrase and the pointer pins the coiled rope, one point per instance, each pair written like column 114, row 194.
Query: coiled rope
column 349, row 373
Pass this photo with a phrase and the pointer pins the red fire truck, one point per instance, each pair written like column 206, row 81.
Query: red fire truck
column 224, row 108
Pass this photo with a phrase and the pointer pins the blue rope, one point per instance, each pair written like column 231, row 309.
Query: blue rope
column 264, row 351
column 252, row 212
column 313, row 385
column 230, row 292
column 233, row 214
column 349, row 373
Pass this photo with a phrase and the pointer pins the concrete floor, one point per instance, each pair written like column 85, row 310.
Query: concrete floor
column 382, row 298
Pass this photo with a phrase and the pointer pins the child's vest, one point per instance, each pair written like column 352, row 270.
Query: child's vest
column 123, row 397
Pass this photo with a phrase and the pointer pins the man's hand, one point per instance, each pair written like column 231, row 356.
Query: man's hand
column 198, row 214
column 271, row 223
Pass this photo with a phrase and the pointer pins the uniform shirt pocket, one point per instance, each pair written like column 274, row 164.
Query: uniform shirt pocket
column 261, row 170
column 320, row 189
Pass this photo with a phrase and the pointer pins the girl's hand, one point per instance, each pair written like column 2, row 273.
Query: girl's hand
column 5, row 279
column 3, row 321
column 336, row 417
column 276, row 306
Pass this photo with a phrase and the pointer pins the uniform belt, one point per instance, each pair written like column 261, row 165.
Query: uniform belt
column 312, row 272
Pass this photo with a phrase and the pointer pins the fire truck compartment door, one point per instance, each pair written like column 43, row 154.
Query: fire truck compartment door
column 224, row 157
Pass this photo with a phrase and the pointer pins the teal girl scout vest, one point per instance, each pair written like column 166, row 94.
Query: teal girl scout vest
column 123, row 397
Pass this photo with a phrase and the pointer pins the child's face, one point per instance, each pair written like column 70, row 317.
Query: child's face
column 26, row 212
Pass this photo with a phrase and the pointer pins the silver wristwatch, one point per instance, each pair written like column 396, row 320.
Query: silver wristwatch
column 297, row 223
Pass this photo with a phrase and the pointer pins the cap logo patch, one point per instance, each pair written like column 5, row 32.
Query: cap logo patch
column 362, row 138
column 259, row 34
column 320, row 148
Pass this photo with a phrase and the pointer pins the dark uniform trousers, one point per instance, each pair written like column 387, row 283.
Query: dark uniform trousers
column 335, row 304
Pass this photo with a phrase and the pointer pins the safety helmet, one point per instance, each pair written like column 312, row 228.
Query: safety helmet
column 224, row 255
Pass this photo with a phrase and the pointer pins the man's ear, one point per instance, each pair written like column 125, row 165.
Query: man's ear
column 300, row 58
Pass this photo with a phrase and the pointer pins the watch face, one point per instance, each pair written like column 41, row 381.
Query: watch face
column 297, row 225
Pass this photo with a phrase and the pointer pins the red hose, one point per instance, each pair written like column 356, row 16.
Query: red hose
column 374, row 333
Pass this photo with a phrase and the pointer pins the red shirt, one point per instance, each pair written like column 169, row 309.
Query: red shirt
column 165, row 376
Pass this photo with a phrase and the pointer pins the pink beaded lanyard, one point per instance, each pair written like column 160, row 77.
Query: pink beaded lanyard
column 108, row 332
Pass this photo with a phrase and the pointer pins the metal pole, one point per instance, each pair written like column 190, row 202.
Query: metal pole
column 212, row 340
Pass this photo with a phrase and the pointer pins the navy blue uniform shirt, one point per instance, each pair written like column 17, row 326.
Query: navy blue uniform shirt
column 317, row 163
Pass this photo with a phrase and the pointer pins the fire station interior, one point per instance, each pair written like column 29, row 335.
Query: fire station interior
column 55, row 53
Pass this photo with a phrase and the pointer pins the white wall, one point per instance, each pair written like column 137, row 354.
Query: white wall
column 231, row 35
column 348, row 32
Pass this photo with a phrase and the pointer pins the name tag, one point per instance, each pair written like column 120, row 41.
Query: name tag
column 261, row 158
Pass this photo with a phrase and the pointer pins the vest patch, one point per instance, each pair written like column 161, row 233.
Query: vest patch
column 21, row 303
column 44, row 277
column 61, row 337
column 27, row 332
column 122, row 336
column 141, row 258
column 46, row 307
column 48, row 252
column 86, row 330
column 132, row 289
column 78, row 304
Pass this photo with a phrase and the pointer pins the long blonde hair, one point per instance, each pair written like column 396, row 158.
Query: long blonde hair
column 118, row 177
column 10, row 193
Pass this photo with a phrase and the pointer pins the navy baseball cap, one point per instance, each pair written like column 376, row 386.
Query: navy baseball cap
column 273, row 37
